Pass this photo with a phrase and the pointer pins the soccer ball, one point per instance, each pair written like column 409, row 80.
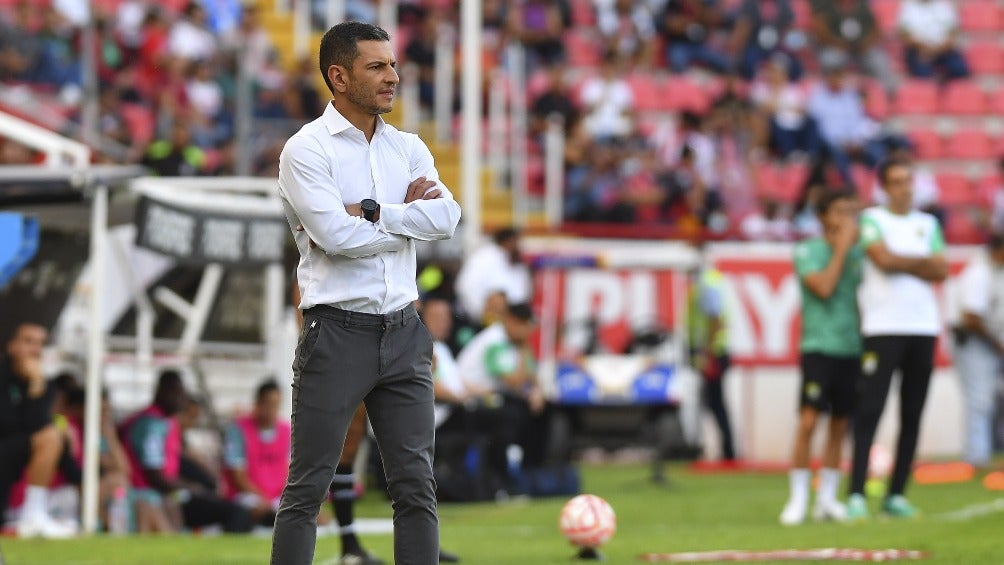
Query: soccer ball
column 588, row 521
column 879, row 461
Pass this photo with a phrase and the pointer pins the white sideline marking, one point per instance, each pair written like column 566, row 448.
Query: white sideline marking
column 973, row 511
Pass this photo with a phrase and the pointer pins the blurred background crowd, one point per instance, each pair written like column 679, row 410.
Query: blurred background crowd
column 724, row 115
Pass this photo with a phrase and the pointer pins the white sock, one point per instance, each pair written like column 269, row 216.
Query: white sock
column 799, row 480
column 829, row 482
column 36, row 501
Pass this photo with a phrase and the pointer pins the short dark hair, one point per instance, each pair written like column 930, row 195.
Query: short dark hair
column 339, row 46
column 882, row 171
column 830, row 197
column 65, row 381
column 20, row 326
column 996, row 241
column 267, row 386
column 521, row 311
column 506, row 235
column 691, row 119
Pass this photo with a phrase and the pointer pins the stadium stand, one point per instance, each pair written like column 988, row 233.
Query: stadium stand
column 955, row 127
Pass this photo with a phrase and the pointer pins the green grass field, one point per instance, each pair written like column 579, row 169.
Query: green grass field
column 692, row 513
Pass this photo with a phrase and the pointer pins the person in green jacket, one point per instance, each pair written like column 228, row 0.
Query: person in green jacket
column 829, row 271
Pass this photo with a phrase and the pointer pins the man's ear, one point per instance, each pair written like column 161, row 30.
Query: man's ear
column 338, row 75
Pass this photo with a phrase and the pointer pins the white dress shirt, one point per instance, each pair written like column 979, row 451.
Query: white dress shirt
column 980, row 291
column 359, row 265
column 487, row 271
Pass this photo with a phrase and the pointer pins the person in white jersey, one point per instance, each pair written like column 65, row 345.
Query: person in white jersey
column 904, row 257
column 979, row 346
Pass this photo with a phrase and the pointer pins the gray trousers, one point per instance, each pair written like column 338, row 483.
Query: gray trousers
column 344, row 358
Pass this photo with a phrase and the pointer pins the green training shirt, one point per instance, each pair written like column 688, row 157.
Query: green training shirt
column 830, row 326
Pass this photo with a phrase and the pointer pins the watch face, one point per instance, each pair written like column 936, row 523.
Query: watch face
column 368, row 205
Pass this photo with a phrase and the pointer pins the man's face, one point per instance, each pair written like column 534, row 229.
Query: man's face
column 27, row 343
column 438, row 318
column 512, row 249
column 835, row 80
column 519, row 331
column 180, row 136
column 173, row 399
column 898, row 185
column 371, row 82
column 267, row 408
column 839, row 213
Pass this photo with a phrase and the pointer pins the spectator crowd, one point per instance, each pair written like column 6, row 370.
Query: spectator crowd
column 696, row 114
column 728, row 116
column 784, row 86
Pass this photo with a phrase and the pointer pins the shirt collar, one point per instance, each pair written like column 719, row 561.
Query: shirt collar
column 337, row 123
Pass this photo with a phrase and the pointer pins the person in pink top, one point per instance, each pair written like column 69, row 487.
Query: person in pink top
column 256, row 455
column 152, row 439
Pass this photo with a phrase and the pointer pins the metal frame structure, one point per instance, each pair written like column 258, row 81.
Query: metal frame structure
column 93, row 186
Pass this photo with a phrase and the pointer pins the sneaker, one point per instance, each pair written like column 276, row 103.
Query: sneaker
column 794, row 512
column 857, row 508
column 447, row 557
column 360, row 558
column 590, row 554
column 44, row 526
column 829, row 511
column 898, row 506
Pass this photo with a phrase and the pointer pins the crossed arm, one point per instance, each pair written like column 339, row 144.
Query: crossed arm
column 933, row 268
column 428, row 213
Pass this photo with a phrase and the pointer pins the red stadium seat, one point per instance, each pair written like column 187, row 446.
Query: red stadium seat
column 927, row 143
column 790, row 181
column 781, row 182
column 803, row 13
column 140, row 121
column 964, row 98
column 766, row 180
column 997, row 102
column 876, row 100
column 886, row 12
column 980, row 15
column 917, row 97
column 645, row 89
column 583, row 49
column 955, row 190
column 583, row 13
column 985, row 57
column 864, row 182
column 961, row 227
column 680, row 93
column 970, row 144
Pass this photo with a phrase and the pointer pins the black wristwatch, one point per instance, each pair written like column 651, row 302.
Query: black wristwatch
column 370, row 208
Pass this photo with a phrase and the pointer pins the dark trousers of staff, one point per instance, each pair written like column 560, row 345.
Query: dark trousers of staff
column 344, row 358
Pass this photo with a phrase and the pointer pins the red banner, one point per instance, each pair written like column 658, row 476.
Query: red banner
column 762, row 295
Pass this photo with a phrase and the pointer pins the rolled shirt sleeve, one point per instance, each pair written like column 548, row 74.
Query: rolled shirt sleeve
column 425, row 220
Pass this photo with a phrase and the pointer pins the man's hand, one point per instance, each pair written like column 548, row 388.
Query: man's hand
column 355, row 210
column 846, row 237
column 30, row 371
column 536, row 400
column 417, row 190
column 299, row 227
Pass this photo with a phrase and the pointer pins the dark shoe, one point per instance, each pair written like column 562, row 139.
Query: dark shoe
column 447, row 557
column 590, row 553
column 359, row 558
